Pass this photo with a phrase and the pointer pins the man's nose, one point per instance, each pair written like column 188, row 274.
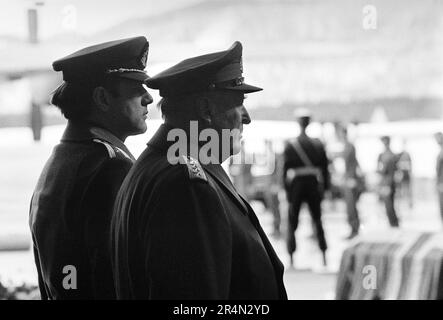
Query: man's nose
column 246, row 119
column 147, row 99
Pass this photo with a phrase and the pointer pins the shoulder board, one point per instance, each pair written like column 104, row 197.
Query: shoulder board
column 108, row 146
column 124, row 154
column 195, row 170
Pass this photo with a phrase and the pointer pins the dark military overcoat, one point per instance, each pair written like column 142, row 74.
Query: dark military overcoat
column 70, row 214
column 183, row 232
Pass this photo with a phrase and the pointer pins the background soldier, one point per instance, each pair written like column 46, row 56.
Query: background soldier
column 387, row 167
column 182, row 231
column 404, row 175
column 273, row 186
column 241, row 174
column 306, row 177
column 439, row 171
column 104, row 100
column 36, row 120
column 350, row 180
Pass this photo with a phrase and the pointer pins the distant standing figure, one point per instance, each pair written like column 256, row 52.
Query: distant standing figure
column 36, row 120
column 439, row 139
column 241, row 174
column 350, row 187
column 404, row 165
column 274, row 187
column 306, row 177
column 386, row 167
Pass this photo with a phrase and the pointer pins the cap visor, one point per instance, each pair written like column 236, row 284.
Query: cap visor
column 137, row 76
column 247, row 88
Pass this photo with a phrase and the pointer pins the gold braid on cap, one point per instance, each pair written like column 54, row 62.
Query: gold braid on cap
column 122, row 70
column 230, row 83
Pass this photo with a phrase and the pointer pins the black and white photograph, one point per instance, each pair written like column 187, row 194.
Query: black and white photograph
column 243, row 151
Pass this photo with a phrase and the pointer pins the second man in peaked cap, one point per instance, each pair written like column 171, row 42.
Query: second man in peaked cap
column 180, row 229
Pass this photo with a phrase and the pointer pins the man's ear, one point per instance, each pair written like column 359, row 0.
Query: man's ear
column 205, row 109
column 101, row 98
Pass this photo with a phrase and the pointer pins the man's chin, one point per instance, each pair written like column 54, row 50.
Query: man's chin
column 139, row 130
column 143, row 127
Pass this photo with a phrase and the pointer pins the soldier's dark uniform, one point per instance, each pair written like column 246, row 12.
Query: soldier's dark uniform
column 439, row 173
column 305, row 185
column 350, row 187
column 183, row 231
column 71, row 207
column 387, row 167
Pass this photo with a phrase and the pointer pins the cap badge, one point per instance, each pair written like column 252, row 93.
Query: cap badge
column 239, row 81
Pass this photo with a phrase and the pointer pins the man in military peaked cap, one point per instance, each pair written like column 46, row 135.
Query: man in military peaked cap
column 180, row 229
column 104, row 99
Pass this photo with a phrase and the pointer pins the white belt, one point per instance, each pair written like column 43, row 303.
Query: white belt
column 302, row 172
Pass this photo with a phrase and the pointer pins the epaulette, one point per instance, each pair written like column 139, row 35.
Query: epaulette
column 108, row 146
column 123, row 153
column 195, row 170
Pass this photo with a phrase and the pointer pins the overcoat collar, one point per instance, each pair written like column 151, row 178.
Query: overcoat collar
column 219, row 174
column 159, row 140
column 82, row 132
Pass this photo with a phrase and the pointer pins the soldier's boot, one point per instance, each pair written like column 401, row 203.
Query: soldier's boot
column 352, row 235
column 291, row 260
column 325, row 263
